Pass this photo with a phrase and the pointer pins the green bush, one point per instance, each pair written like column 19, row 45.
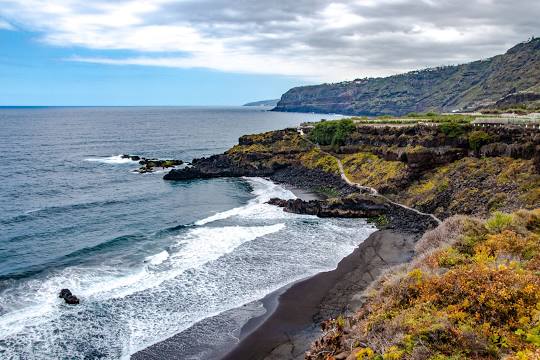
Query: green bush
column 332, row 132
column 498, row 222
column 452, row 130
column 477, row 139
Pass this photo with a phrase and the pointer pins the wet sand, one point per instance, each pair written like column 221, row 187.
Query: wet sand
column 292, row 318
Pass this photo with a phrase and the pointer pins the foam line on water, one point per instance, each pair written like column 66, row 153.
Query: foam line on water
column 158, row 258
column 193, row 249
column 191, row 277
column 112, row 160
column 263, row 190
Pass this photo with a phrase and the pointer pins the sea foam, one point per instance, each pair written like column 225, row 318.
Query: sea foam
column 223, row 261
column 112, row 160
column 263, row 190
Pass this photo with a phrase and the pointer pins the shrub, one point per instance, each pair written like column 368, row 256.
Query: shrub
column 498, row 222
column 380, row 221
column 479, row 299
column 445, row 234
column 332, row 132
column 477, row 139
column 452, row 130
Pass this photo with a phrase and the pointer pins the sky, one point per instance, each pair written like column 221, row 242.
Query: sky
column 222, row 52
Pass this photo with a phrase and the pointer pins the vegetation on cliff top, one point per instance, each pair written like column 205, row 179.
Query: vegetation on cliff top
column 414, row 118
column 473, row 291
column 332, row 133
column 418, row 165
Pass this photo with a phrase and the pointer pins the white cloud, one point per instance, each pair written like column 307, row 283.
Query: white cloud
column 4, row 25
column 315, row 39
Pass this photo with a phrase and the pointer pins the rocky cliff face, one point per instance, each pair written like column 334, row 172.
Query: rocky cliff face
column 461, row 170
column 463, row 87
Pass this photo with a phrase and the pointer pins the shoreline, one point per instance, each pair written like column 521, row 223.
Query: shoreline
column 291, row 317
column 287, row 320
column 303, row 194
column 288, row 330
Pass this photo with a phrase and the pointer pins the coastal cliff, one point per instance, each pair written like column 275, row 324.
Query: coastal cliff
column 446, row 169
column 463, row 87
column 405, row 178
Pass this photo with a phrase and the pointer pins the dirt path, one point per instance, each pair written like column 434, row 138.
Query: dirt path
column 374, row 192
column 371, row 190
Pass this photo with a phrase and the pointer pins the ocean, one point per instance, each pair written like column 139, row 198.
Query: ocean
column 148, row 258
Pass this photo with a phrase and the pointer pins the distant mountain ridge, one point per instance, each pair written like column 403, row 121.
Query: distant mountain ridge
column 272, row 102
column 463, row 87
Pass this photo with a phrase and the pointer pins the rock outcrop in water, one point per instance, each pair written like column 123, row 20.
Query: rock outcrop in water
column 216, row 166
column 68, row 297
column 378, row 210
column 353, row 206
column 149, row 165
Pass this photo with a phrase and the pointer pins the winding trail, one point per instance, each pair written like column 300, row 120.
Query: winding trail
column 374, row 192
column 371, row 190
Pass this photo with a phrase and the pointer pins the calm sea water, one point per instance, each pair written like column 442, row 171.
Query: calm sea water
column 148, row 258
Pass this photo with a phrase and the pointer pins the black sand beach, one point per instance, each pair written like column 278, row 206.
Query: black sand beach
column 288, row 331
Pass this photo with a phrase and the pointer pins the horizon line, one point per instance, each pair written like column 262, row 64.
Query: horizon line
column 89, row 106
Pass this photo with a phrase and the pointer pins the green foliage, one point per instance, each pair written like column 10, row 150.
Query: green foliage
column 332, row 132
column 477, row 139
column 380, row 221
column 370, row 170
column 451, row 129
column 415, row 118
column 532, row 335
column 316, row 159
column 498, row 222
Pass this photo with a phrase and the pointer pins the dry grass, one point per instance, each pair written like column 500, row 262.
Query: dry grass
column 473, row 292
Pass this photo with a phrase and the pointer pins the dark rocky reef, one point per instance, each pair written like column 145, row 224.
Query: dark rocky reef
column 149, row 165
column 216, row 166
column 354, row 206
column 443, row 89
column 68, row 297
column 383, row 213
column 131, row 157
